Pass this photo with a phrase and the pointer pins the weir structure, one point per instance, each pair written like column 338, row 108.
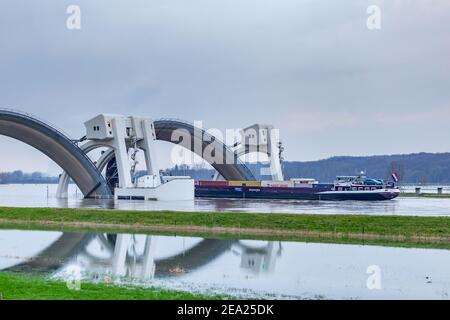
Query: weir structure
column 122, row 136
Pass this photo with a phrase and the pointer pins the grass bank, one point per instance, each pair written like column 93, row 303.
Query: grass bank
column 26, row 287
column 425, row 195
column 387, row 230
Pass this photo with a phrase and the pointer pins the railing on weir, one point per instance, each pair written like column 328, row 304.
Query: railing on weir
column 39, row 120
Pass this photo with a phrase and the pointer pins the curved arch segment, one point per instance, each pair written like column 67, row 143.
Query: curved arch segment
column 57, row 147
column 164, row 130
column 64, row 179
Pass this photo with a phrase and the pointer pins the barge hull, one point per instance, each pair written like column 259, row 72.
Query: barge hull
column 293, row 194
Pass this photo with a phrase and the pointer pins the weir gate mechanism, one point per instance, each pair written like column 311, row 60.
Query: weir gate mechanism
column 123, row 137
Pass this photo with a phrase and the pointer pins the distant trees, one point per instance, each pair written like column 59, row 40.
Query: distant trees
column 20, row 177
column 412, row 168
column 196, row 172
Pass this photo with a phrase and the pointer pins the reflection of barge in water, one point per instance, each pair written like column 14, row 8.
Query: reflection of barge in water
column 344, row 188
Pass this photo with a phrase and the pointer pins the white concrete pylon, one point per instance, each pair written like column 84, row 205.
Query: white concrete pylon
column 119, row 267
column 121, row 152
column 264, row 139
column 149, row 266
column 148, row 144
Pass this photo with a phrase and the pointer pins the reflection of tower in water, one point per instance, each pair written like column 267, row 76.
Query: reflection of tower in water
column 125, row 262
column 260, row 260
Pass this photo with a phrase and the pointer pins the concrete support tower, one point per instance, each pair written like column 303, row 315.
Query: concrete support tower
column 263, row 139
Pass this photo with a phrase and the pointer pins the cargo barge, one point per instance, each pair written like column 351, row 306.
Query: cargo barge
column 344, row 188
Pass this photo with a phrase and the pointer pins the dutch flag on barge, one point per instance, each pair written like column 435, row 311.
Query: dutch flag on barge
column 395, row 176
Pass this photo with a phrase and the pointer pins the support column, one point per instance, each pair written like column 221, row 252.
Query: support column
column 63, row 186
column 148, row 267
column 120, row 254
column 148, row 144
column 274, row 156
column 121, row 152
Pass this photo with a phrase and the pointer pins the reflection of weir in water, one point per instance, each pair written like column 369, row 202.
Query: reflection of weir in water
column 123, row 260
column 52, row 258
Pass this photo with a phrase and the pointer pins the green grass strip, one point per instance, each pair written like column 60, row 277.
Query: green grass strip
column 425, row 195
column 393, row 225
column 27, row 287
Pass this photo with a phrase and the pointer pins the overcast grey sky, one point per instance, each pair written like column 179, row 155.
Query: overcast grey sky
column 309, row 67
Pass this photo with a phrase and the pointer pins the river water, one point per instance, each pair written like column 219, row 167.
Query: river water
column 44, row 196
column 242, row 268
